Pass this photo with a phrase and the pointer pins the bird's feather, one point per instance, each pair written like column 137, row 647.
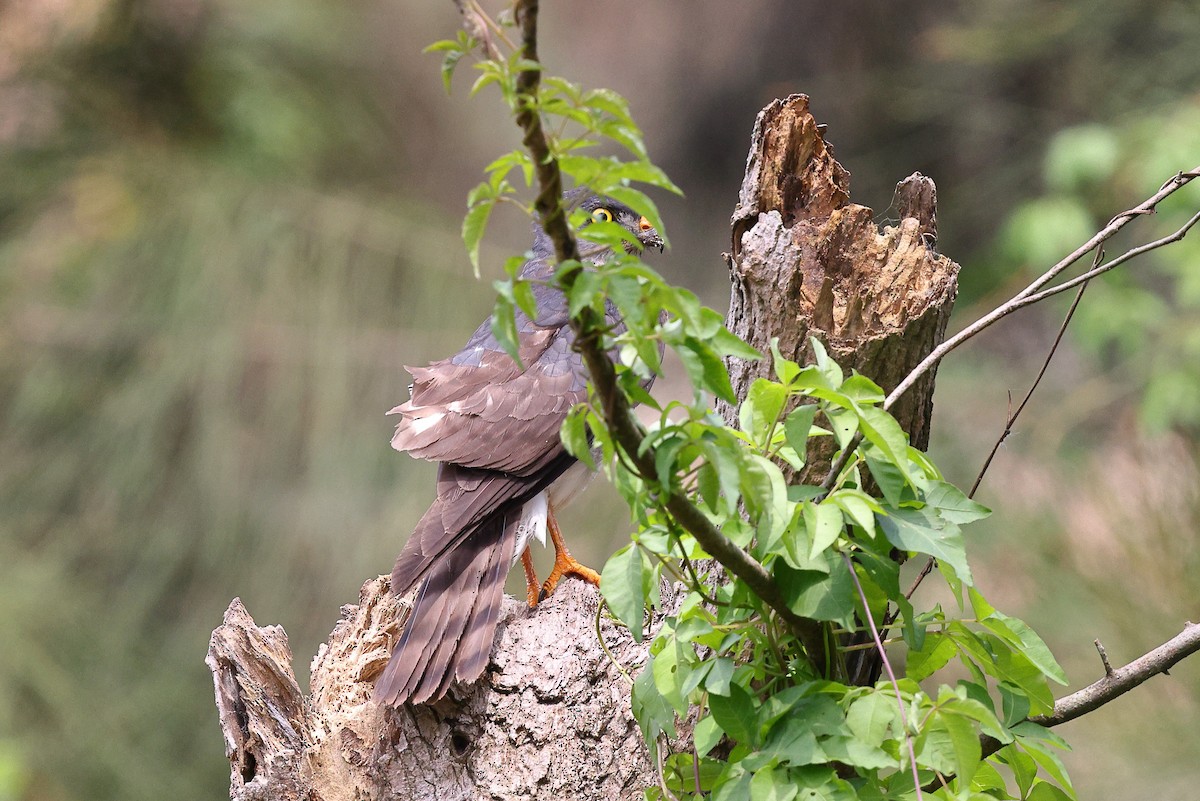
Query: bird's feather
column 454, row 618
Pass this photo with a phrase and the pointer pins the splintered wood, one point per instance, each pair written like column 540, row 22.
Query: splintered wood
column 807, row 262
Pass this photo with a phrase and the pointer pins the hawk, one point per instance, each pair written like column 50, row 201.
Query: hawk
column 492, row 425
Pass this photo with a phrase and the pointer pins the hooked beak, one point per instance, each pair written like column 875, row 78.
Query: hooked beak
column 648, row 237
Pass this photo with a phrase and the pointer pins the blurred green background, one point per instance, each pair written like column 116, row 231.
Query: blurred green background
column 225, row 226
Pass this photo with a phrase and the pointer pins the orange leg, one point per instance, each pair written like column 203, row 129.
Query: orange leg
column 564, row 563
column 531, row 582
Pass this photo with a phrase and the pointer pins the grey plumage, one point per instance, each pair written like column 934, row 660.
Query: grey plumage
column 493, row 425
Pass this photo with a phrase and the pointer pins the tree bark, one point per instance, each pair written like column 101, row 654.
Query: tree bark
column 551, row 719
column 805, row 262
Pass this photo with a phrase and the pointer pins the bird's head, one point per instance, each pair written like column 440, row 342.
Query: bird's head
column 601, row 209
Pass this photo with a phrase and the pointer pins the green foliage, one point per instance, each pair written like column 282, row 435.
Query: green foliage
column 729, row 659
column 767, row 716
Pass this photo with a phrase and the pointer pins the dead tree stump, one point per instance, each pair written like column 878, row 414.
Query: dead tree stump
column 550, row 720
column 805, row 262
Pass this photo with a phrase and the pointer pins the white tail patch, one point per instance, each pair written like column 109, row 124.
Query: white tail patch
column 532, row 525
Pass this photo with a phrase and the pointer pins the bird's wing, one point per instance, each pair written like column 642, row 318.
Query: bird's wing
column 481, row 409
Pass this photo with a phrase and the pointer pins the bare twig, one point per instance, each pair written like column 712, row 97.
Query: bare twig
column 615, row 407
column 475, row 23
column 1108, row 671
column 1008, row 426
column 1031, row 294
column 1012, row 418
column 1116, row 683
column 912, row 757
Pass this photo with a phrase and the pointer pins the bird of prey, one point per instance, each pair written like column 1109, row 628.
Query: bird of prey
column 492, row 425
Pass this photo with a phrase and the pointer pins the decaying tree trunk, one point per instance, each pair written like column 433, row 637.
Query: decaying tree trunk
column 807, row 262
column 551, row 718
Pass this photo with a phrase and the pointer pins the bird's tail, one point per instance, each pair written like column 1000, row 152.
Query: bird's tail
column 453, row 621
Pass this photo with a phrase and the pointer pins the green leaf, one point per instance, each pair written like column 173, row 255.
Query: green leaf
column 705, row 368
column 1032, row 646
column 1024, row 769
column 771, row 784
column 794, row 742
column 574, row 435
column 760, row 412
column 882, row 431
column 733, row 785
column 717, row 680
column 729, row 344
column 706, row 735
column 736, row 715
column 953, row 504
column 1038, row 743
column 828, row 367
column 621, row 586
column 785, row 369
column 871, row 716
column 1044, row 791
column 888, row 476
column 1014, row 703
column 473, row 227
column 524, row 298
column 652, row 712
column 861, row 389
column 1006, row 663
column 949, row 744
column 670, row 673
column 824, row 523
column 911, row 530
column 583, row 292
column 504, row 326
column 641, row 203
column 852, row 751
column 797, row 425
column 843, row 424
column 816, row 595
column 937, row 653
column 859, row 507
column 765, row 493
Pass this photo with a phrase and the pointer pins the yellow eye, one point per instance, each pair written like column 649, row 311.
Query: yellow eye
column 601, row 215
column 644, row 224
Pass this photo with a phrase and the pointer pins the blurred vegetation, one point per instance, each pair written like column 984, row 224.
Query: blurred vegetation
column 225, row 226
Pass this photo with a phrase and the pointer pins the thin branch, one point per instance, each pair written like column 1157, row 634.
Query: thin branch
column 1008, row 425
column 1012, row 418
column 549, row 200
column 1116, row 683
column 475, row 22
column 887, row 665
column 1124, row 679
column 1108, row 670
column 1031, row 295
column 616, row 412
